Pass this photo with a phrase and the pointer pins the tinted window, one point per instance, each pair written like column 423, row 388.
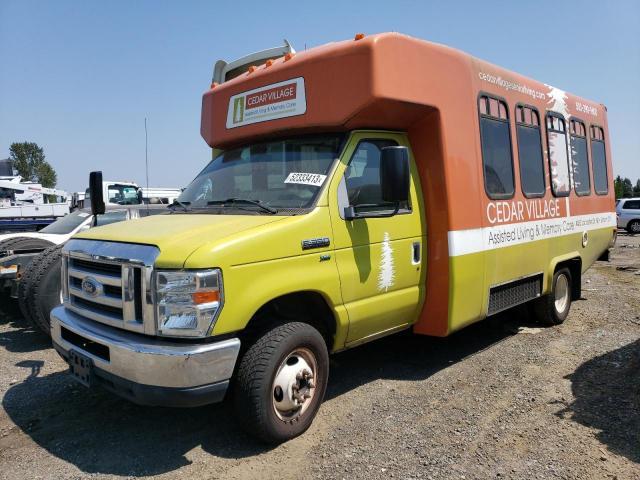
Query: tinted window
column 362, row 177
column 558, row 157
column 530, row 151
column 599, row 161
column 496, row 147
column 631, row 205
column 111, row 217
column 122, row 194
column 579, row 161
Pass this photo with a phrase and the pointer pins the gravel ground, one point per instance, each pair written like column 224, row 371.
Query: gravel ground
column 501, row 399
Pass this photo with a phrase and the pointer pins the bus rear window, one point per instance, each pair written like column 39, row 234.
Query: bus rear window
column 496, row 147
column 599, row 161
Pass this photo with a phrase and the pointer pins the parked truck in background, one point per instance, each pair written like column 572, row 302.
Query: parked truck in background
column 356, row 189
column 30, row 261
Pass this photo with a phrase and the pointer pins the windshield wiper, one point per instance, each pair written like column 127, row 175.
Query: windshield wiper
column 233, row 200
column 178, row 203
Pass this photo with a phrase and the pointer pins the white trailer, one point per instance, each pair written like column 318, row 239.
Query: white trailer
column 26, row 205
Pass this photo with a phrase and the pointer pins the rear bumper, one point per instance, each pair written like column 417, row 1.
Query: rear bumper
column 147, row 370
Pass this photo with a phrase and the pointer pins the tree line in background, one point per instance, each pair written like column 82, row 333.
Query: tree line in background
column 29, row 161
column 625, row 189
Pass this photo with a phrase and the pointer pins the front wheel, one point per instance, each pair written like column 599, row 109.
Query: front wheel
column 281, row 381
column 553, row 309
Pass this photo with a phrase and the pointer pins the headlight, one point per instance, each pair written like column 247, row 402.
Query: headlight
column 188, row 301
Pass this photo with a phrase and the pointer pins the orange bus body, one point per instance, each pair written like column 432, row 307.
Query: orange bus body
column 394, row 82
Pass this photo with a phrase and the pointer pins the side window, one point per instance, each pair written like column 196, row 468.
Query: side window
column 496, row 147
column 361, row 182
column 631, row 205
column 558, row 158
column 579, row 160
column 599, row 161
column 111, row 217
column 530, row 151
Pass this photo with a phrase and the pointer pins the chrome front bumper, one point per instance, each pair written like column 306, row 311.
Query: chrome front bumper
column 147, row 370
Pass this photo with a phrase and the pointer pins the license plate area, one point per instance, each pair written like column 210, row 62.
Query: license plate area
column 80, row 367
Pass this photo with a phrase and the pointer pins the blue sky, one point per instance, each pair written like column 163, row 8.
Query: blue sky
column 79, row 77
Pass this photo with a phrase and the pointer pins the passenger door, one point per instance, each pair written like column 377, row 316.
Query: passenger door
column 380, row 258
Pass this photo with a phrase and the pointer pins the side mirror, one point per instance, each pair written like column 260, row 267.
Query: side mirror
column 95, row 193
column 140, row 198
column 394, row 174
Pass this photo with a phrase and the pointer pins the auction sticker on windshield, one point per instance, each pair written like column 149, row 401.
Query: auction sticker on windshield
column 314, row 179
column 277, row 100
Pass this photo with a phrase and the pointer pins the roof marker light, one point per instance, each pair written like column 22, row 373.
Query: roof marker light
column 359, row 36
column 252, row 68
column 269, row 62
column 214, row 85
column 288, row 56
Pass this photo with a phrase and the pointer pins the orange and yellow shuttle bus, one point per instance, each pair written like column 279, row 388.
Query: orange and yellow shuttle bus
column 356, row 189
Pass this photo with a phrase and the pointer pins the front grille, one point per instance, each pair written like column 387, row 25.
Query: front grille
column 110, row 283
column 109, row 290
column 100, row 308
column 99, row 267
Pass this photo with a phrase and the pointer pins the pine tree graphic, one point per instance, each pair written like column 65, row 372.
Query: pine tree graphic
column 386, row 276
column 574, row 171
column 558, row 101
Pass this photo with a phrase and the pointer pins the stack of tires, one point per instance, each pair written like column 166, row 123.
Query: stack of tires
column 39, row 285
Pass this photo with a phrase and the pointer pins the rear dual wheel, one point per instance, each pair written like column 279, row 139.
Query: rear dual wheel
column 39, row 288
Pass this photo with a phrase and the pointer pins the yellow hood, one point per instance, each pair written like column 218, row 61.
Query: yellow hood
column 178, row 235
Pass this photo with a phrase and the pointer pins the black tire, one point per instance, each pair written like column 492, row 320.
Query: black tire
column 44, row 294
column 24, row 287
column 253, row 392
column 546, row 309
column 24, row 243
column 633, row 227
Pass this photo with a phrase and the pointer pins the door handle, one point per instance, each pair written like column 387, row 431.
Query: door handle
column 415, row 253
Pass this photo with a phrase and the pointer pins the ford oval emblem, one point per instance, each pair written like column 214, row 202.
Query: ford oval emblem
column 91, row 287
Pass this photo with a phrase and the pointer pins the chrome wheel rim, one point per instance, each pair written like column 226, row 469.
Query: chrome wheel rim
column 294, row 385
column 635, row 227
column 561, row 293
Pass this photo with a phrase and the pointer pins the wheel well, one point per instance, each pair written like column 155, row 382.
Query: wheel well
column 308, row 307
column 575, row 268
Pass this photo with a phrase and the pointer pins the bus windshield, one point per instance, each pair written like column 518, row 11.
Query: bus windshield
column 282, row 174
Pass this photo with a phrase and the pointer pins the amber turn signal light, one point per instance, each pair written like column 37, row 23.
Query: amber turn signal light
column 205, row 297
column 288, row 56
column 359, row 36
